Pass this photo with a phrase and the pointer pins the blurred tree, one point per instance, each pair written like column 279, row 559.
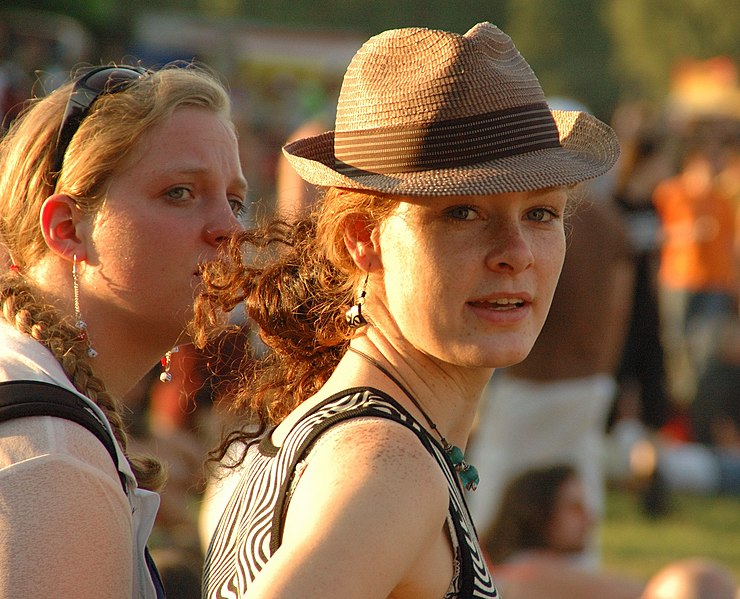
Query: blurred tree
column 89, row 12
column 361, row 15
column 568, row 48
column 650, row 36
column 109, row 21
column 598, row 52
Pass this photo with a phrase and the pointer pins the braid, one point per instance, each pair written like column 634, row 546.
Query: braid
column 43, row 323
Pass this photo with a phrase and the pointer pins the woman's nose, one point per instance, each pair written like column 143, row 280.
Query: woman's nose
column 219, row 231
column 511, row 251
column 216, row 235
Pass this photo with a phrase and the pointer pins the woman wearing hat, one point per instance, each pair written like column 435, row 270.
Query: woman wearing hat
column 430, row 261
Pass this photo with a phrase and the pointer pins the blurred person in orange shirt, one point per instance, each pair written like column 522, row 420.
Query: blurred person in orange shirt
column 698, row 273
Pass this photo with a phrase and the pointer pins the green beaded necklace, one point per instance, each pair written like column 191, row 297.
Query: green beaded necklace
column 468, row 473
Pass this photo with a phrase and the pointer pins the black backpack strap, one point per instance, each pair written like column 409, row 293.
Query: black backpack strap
column 21, row 399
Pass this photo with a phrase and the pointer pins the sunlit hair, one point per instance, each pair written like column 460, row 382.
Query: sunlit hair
column 296, row 281
column 104, row 140
column 525, row 512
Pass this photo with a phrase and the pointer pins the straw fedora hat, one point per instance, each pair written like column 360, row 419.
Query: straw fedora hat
column 426, row 112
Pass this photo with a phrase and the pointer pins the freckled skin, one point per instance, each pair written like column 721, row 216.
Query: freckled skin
column 440, row 255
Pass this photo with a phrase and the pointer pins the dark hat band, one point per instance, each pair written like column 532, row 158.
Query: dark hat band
column 447, row 144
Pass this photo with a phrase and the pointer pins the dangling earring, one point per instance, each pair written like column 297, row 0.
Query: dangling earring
column 80, row 324
column 166, row 375
column 354, row 316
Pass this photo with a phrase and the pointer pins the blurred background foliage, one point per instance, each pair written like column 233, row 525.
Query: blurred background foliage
column 599, row 52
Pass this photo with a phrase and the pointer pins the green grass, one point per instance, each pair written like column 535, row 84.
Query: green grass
column 635, row 544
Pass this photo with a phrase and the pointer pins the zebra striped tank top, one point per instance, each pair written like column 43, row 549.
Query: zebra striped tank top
column 250, row 528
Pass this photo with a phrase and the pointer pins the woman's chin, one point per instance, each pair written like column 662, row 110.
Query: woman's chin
column 493, row 359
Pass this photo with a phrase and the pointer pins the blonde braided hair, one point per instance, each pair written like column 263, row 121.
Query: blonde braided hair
column 43, row 323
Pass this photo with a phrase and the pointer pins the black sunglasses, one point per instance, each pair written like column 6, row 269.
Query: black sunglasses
column 87, row 89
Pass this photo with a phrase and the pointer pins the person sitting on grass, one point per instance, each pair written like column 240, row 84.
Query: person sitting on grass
column 541, row 527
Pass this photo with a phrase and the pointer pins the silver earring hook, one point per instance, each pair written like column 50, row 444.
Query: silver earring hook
column 354, row 316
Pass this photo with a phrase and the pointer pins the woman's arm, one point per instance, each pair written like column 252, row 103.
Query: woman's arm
column 367, row 517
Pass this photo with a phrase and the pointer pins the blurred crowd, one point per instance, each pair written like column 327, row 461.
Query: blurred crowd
column 679, row 191
column 672, row 419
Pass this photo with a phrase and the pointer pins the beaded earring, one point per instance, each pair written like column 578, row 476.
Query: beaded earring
column 354, row 316
column 166, row 361
column 80, row 324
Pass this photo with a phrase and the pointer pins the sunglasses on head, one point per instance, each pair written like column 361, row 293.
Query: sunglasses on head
column 87, row 89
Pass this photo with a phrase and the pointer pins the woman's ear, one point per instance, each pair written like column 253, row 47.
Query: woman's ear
column 360, row 238
column 60, row 224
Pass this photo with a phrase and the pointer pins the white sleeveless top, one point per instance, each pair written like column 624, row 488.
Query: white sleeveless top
column 47, row 467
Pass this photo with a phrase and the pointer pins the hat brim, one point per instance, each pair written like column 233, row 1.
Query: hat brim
column 589, row 148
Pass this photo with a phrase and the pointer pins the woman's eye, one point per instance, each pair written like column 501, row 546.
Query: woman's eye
column 179, row 193
column 237, row 206
column 542, row 215
column 462, row 213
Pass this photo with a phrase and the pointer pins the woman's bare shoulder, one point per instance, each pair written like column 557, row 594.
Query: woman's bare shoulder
column 367, row 507
column 381, row 447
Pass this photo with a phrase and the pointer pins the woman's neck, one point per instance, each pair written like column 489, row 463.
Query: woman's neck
column 445, row 394
column 123, row 353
